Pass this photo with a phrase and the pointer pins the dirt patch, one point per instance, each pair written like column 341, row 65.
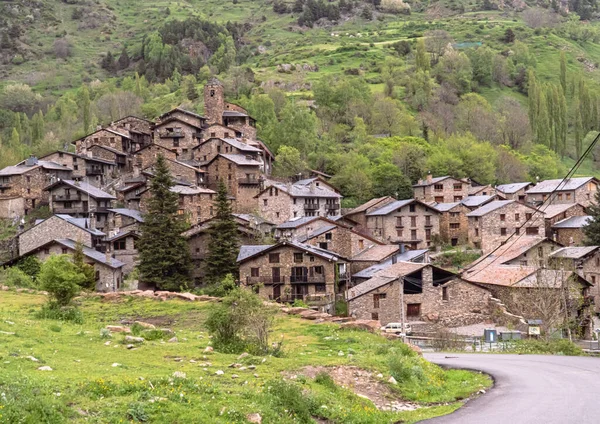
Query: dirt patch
column 363, row 383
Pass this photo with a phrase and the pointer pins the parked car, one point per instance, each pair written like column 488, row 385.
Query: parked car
column 396, row 328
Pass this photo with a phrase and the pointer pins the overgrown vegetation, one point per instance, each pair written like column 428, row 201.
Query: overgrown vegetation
column 545, row 347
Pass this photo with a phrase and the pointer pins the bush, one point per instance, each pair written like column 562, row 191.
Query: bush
column 291, row 398
column 406, row 369
column 241, row 323
column 325, row 380
column 14, row 277
column 545, row 347
column 220, row 289
column 52, row 310
column 299, row 303
column 30, row 265
column 61, row 278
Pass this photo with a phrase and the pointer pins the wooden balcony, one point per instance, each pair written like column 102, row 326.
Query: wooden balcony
column 332, row 206
column 94, row 171
column 305, row 279
column 265, row 280
column 68, row 211
column 248, row 181
column 172, row 134
column 67, row 198
column 6, row 184
column 311, row 207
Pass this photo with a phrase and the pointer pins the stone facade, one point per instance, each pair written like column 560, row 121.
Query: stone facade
column 359, row 214
column 12, row 208
column 554, row 215
column 122, row 161
column 97, row 172
column 214, row 101
column 146, row 157
column 123, row 248
column 441, row 189
column 217, row 131
column 488, row 230
column 182, row 172
column 341, row 240
column 576, row 190
column 412, row 223
column 454, row 225
column 108, row 138
column 240, row 175
column 178, row 136
column 569, row 236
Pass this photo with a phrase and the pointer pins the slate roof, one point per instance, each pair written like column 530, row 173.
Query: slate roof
column 92, row 254
column 131, row 213
column 387, row 209
column 184, row 111
column 297, row 222
column 376, row 253
column 444, row 207
column 490, row 207
column 512, row 188
column 367, row 205
column 548, row 186
column 407, row 256
column 499, row 275
column 84, row 187
column 83, row 223
column 304, row 188
column 21, row 168
column 509, row 251
column 240, row 159
column 182, row 189
column 240, row 145
column 573, row 252
column 434, row 181
column 121, row 234
column 316, row 233
column 231, row 113
column 252, row 218
column 573, row 222
column 474, row 201
column 384, row 277
column 249, row 251
column 550, row 211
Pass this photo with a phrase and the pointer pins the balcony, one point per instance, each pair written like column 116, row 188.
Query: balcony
column 332, row 206
column 343, row 276
column 5, row 184
column 265, row 280
column 428, row 224
column 68, row 211
column 311, row 207
column 399, row 225
column 248, row 181
column 100, row 209
column 67, row 198
column 305, row 279
column 94, row 171
column 172, row 134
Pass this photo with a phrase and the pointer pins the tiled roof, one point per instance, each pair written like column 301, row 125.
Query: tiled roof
column 509, row 251
column 512, row 188
column 110, row 149
column 92, row 254
column 408, row 256
column 474, row 201
column 182, row 189
column 131, row 213
column 297, row 222
column 390, row 207
column 234, row 113
column 249, row 251
column 376, row 253
column 499, row 275
column 83, row 223
column 86, row 188
column 367, row 205
column 255, row 219
column 549, row 186
column 433, row 181
column 241, row 159
column 574, row 222
column 573, row 252
column 490, row 207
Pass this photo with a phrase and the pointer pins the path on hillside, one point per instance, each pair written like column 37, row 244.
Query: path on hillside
column 529, row 389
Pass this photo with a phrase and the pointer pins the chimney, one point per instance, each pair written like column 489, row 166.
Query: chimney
column 108, row 257
column 394, row 259
column 31, row 161
column 429, row 178
column 402, row 248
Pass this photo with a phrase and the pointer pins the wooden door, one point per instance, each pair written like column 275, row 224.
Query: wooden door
column 277, row 292
column 276, row 274
column 413, row 310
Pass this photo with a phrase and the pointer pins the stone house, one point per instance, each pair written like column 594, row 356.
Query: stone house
column 257, row 223
column 416, row 256
column 95, row 171
column 146, row 156
column 216, row 130
column 106, row 137
column 180, row 131
column 80, row 199
column 474, row 202
column 198, row 238
column 311, row 197
column 241, row 174
column 513, row 191
column 122, row 160
column 22, row 185
column 585, row 261
column 373, row 255
column 290, row 270
column 109, row 271
column 441, row 189
column 139, row 129
column 560, row 212
column 300, row 227
column 195, row 202
column 453, row 222
column 409, row 222
column 359, row 214
column 122, row 219
column 130, row 195
column 424, row 292
column 60, row 226
column 494, row 223
column 209, row 149
column 569, row 231
column 123, row 245
column 181, row 172
column 481, row 190
column 574, row 190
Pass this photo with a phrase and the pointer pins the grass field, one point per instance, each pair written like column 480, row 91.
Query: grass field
column 94, row 382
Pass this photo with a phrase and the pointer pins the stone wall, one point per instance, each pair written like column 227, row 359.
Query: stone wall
column 214, row 103
column 454, row 225
column 11, row 208
column 442, row 192
column 342, row 241
column 51, row 229
column 181, row 145
column 30, row 186
column 569, row 236
column 103, row 138
column 129, row 255
column 147, row 157
column 231, row 174
column 575, row 210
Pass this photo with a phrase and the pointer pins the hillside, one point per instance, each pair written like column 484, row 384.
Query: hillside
column 95, row 377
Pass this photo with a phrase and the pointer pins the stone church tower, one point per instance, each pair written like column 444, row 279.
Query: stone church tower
column 214, row 101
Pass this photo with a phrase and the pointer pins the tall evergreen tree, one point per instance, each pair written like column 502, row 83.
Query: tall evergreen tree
column 164, row 254
column 543, row 130
column 563, row 72
column 223, row 240
column 592, row 230
column 533, row 102
column 421, row 57
column 37, row 127
column 123, row 61
column 15, row 139
column 578, row 132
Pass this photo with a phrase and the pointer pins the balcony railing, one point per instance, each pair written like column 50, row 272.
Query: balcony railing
column 265, row 280
column 331, row 206
column 305, row 279
column 311, row 206
column 172, row 134
column 94, row 171
column 248, row 181
column 5, row 185
column 321, row 298
column 344, row 276
column 68, row 211
column 67, row 198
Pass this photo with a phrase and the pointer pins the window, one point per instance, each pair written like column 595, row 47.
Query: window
column 254, row 272
column 559, row 197
column 438, row 187
column 517, row 231
column 502, row 217
column 503, row 231
column 527, row 216
column 175, row 143
column 541, row 251
column 328, row 236
column 28, row 179
column 276, row 214
column 377, row 298
column 454, row 214
column 399, row 232
column 68, row 205
column 399, row 221
column 264, row 202
column 323, row 245
column 428, row 220
column 444, row 293
column 413, row 221
column 361, row 244
column 375, row 316
column 517, row 217
column 273, row 258
column 119, row 245
column 568, row 196
column 454, row 225
column 593, row 279
column 298, row 258
column 311, row 258
column 457, row 198
column 46, row 251
column 97, row 275
column 476, row 232
column 413, row 234
column 457, row 187
column 320, row 288
column 531, row 231
column 598, row 261
column 523, row 262
column 412, row 208
column 438, row 199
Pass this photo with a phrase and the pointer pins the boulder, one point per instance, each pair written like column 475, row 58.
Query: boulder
column 179, row 374
column 316, row 316
column 130, row 346
column 173, row 340
column 308, row 313
column 392, row 380
column 295, row 310
column 363, row 324
column 208, row 349
column 415, row 349
column 145, row 325
column 45, row 368
column 118, row 329
column 254, row 418
column 186, row 296
column 243, row 355
column 133, row 339
column 219, row 372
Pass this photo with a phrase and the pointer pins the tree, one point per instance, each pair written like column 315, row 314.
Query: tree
column 386, row 117
column 563, row 72
column 592, row 229
column 288, row 162
column 86, row 269
column 123, row 62
column 388, row 180
column 164, row 253
column 422, row 60
column 509, row 36
column 437, row 41
column 189, row 87
column 62, row 49
column 61, row 278
column 85, row 109
column 223, row 245
column 37, row 127
column 108, row 63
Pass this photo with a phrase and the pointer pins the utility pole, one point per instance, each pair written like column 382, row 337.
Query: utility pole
column 401, row 281
column 564, row 288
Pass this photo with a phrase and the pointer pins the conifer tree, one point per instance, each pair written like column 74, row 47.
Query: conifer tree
column 578, row 132
column 543, row 130
column 37, row 127
column 533, row 100
column 164, row 254
column 123, row 61
column 592, row 230
column 563, row 72
column 15, row 139
column 223, row 240
column 25, row 132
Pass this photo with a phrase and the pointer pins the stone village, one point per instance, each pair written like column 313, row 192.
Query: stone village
column 297, row 243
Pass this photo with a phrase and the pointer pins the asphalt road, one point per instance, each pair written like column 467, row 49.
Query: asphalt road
column 529, row 389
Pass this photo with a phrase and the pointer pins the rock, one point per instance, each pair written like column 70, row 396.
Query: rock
column 340, row 353
column 145, row 325
column 251, row 367
column 254, row 418
column 9, row 322
column 392, row 380
column 235, row 376
column 219, row 372
column 32, row 358
column 8, row 333
column 364, row 324
column 45, row 368
column 243, row 355
column 186, row 296
column 415, row 349
column 133, row 339
column 173, row 340
column 107, row 343
column 115, row 365
column 167, row 331
column 130, row 346
column 295, row 310
column 118, row 329
column 179, row 374
column 208, row 349
column 379, row 375
column 256, row 375
column 235, row 365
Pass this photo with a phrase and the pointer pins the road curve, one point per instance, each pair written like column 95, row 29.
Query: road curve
column 529, row 389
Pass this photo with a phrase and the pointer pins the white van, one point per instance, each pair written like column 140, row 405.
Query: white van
column 396, row 328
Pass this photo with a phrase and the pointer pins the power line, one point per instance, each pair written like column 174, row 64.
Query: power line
column 540, row 208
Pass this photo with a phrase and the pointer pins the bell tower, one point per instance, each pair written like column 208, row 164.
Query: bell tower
column 214, row 101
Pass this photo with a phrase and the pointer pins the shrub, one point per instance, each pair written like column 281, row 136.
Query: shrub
column 222, row 288
column 325, row 380
column 548, row 347
column 299, row 303
column 30, row 265
column 61, row 279
column 14, row 277
column 291, row 398
column 241, row 323
column 62, row 313
column 406, row 368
